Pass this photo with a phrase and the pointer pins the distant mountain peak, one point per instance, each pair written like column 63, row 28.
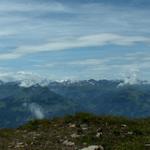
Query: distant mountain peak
column 27, row 79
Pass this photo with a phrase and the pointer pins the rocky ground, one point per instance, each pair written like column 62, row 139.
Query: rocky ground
column 79, row 132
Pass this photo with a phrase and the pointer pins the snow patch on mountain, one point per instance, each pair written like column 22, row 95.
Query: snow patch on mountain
column 28, row 79
column 24, row 79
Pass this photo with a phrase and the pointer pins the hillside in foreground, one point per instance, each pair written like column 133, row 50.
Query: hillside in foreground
column 78, row 132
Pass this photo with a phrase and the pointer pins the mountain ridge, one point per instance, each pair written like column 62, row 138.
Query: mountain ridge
column 103, row 97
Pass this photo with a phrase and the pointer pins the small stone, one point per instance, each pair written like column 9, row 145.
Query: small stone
column 84, row 143
column 94, row 147
column 147, row 145
column 99, row 134
column 130, row 133
column 123, row 125
column 68, row 143
column 72, row 125
column 99, row 130
column 75, row 135
column 19, row 145
column 84, row 126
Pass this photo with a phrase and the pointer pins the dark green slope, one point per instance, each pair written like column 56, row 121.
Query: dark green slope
column 106, row 97
column 18, row 104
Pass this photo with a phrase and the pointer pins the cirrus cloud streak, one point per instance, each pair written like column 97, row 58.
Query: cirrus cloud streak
column 79, row 42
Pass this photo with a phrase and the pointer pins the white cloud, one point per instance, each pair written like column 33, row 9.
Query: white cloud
column 84, row 62
column 36, row 110
column 40, row 25
column 7, row 56
column 130, row 75
column 79, row 42
column 27, row 7
column 87, row 62
column 25, row 78
column 37, row 27
column 6, row 33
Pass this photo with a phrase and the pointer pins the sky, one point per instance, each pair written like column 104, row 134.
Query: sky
column 75, row 39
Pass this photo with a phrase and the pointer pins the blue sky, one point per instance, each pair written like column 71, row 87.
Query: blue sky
column 75, row 39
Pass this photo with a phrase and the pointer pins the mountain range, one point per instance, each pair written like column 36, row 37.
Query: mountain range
column 19, row 104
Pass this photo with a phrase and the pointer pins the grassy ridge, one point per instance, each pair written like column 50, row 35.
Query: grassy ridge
column 77, row 132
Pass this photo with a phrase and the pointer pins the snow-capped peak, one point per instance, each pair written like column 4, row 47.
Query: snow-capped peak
column 25, row 79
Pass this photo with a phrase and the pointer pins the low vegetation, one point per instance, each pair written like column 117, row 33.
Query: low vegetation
column 77, row 132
